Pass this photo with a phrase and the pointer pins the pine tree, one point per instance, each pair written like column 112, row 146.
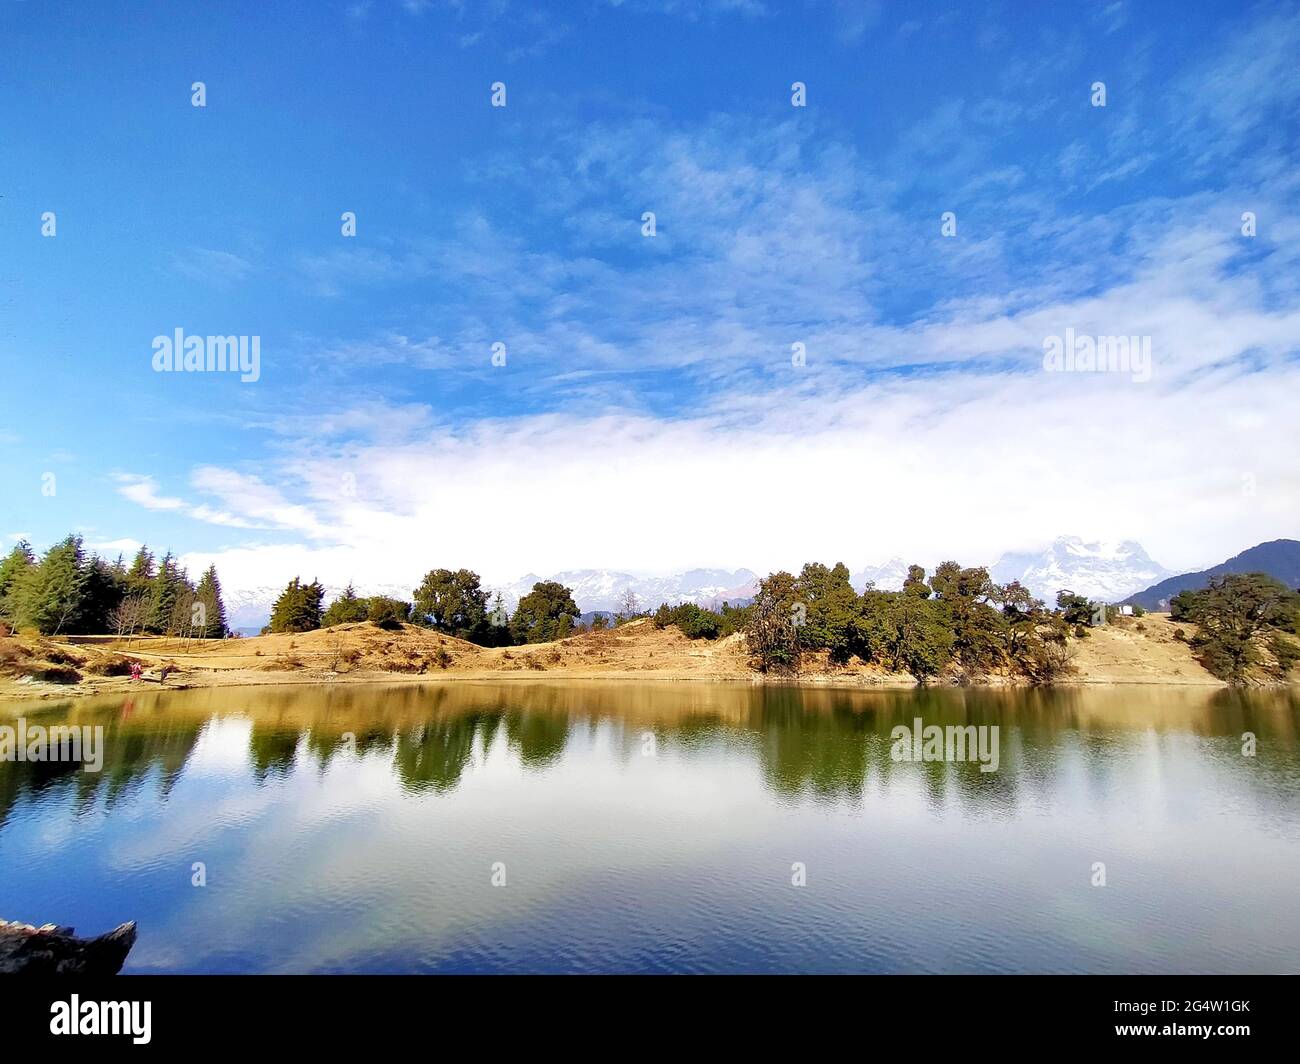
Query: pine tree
column 346, row 609
column 298, row 609
column 12, row 569
column 212, row 621
column 49, row 596
column 166, row 588
column 105, row 587
column 139, row 578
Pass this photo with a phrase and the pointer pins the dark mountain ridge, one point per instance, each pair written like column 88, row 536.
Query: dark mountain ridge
column 1279, row 558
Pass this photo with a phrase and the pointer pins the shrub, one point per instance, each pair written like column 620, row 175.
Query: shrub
column 51, row 673
column 388, row 613
column 60, row 656
column 110, row 666
column 11, row 655
column 691, row 620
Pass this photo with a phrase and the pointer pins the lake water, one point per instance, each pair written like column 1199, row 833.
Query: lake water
column 657, row 827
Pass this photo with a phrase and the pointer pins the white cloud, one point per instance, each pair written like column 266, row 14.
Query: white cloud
column 143, row 490
column 125, row 546
column 920, row 468
column 208, row 264
column 923, row 432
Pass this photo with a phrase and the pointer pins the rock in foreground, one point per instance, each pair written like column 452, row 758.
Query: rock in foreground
column 52, row 950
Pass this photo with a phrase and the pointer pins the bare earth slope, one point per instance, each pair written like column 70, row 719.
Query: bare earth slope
column 1138, row 651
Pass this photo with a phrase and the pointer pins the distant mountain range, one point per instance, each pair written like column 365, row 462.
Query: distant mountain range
column 1279, row 558
column 603, row 590
column 1105, row 572
column 1108, row 572
column 594, row 590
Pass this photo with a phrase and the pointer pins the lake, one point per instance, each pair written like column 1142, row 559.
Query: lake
column 662, row 827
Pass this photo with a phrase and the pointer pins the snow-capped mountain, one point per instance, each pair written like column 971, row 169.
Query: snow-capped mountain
column 604, row 589
column 887, row 577
column 593, row 589
column 1107, row 572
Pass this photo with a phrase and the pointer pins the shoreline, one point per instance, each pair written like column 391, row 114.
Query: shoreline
column 15, row 693
column 1125, row 656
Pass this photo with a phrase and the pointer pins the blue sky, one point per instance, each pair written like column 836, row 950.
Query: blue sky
column 649, row 416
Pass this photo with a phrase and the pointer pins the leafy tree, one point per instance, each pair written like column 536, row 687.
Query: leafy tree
column 772, row 629
column 452, row 602
column 1076, row 609
column 693, row 621
column 1035, row 637
column 388, row 612
column 978, row 628
column 1018, row 603
column 1181, row 605
column 831, row 610
column 298, row 609
column 346, row 609
column 907, row 632
column 734, row 619
column 915, row 584
column 1239, row 615
column 545, row 613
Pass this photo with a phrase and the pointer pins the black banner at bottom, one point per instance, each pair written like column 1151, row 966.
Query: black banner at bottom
column 547, row 1014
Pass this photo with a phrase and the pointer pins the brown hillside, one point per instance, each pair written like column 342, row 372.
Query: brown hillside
column 1142, row 651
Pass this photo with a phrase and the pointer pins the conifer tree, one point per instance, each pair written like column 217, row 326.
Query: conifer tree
column 166, row 588
column 104, row 589
column 12, row 569
column 346, row 609
column 139, row 578
column 49, row 596
column 212, row 621
column 298, row 609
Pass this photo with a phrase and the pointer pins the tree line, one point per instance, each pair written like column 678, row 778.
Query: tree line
column 956, row 621
column 450, row 601
column 69, row 591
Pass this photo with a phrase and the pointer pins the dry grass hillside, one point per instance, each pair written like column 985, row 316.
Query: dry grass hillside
column 1138, row 650
column 1134, row 650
